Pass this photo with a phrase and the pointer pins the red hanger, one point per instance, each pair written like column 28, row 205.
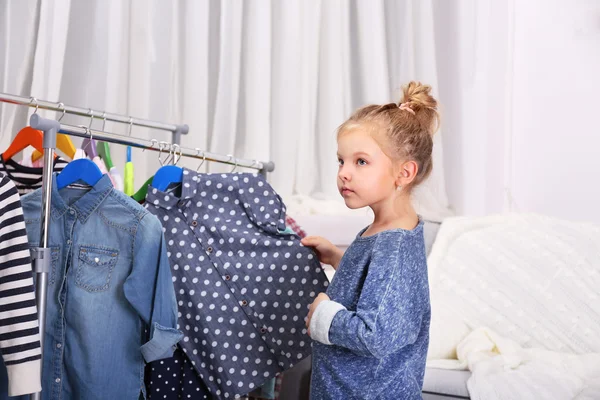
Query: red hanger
column 26, row 137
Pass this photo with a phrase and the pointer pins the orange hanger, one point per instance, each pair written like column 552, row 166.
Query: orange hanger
column 63, row 143
column 26, row 137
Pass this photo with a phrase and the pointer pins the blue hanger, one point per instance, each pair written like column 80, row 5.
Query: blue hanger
column 167, row 175
column 79, row 170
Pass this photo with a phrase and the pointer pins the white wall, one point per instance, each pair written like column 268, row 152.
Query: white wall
column 519, row 83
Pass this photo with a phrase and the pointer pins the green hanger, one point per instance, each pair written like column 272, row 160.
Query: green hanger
column 104, row 152
column 140, row 195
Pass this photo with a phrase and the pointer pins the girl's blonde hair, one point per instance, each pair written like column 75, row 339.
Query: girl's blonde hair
column 404, row 130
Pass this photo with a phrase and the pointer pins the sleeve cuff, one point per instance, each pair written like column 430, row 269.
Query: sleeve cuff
column 162, row 343
column 321, row 320
column 24, row 378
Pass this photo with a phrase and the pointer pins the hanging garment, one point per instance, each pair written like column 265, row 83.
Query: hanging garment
column 243, row 287
column 27, row 179
column 110, row 279
column 19, row 327
column 159, row 376
column 117, row 179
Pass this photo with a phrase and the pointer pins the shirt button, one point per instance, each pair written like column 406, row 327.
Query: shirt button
column 263, row 330
column 57, row 380
column 227, row 277
column 58, row 345
column 209, row 250
column 72, row 212
column 244, row 303
column 194, row 223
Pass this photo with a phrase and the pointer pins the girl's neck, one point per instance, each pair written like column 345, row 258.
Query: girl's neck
column 395, row 214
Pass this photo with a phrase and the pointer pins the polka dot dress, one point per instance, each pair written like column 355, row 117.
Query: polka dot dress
column 243, row 287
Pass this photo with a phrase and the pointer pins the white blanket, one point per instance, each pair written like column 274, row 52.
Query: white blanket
column 503, row 370
column 531, row 278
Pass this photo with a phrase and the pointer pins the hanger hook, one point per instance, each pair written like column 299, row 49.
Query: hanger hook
column 104, row 121
column 163, row 146
column 89, row 132
column 169, row 159
column 91, row 113
column 34, row 100
column 180, row 155
column 64, row 110
column 160, row 148
column 231, row 158
column 152, row 143
column 175, row 159
column 130, row 125
column 203, row 158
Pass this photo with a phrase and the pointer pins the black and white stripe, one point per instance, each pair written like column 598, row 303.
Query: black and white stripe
column 19, row 327
column 27, row 179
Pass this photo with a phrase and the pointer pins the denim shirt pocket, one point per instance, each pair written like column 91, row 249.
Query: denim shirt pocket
column 94, row 268
column 55, row 252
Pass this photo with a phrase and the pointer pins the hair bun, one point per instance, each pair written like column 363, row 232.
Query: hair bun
column 418, row 97
column 417, row 94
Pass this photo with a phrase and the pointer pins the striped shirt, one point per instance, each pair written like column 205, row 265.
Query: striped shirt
column 27, row 179
column 19, row 326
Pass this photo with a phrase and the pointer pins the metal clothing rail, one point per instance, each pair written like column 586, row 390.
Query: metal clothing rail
column 176, row 130
column 154, row 145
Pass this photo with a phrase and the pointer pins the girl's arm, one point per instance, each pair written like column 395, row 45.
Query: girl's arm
column 392, row 304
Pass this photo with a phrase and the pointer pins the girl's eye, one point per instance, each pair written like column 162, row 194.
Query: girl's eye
column 340, row 161
column 361, row 162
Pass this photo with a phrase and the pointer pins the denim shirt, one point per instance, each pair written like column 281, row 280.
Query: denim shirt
column 371, row 338
column 109, row 281
column 243, row 286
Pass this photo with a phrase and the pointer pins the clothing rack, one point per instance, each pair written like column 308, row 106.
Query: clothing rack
column 42, row 257
column 176, row 130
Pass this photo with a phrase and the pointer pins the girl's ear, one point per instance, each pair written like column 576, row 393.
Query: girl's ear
column 406, row 173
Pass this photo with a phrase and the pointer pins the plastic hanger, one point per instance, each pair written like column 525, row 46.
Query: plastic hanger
column 79, row 170
column 104, row 149
column 140, row 195
column 104, row 152
column 89, row 146
column 63, row 143
column 167, row 174
column 26, row 137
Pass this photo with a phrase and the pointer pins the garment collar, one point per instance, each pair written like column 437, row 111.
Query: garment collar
column 166, row 200
column 87, row 204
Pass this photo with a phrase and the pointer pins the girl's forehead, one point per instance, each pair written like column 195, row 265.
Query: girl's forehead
column 357, row 137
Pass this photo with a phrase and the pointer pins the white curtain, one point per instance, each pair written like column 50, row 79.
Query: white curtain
column 266, row 80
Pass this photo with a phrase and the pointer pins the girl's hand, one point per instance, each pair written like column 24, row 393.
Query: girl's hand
column 327, row 252
column 321, row 297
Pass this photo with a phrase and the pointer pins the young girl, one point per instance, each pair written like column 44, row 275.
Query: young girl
column 371, row 329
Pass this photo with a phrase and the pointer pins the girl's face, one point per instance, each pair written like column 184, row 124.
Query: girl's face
column 366, row 174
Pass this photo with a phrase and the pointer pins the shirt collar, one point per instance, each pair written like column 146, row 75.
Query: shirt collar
column 165, row 200
column 87, row 204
